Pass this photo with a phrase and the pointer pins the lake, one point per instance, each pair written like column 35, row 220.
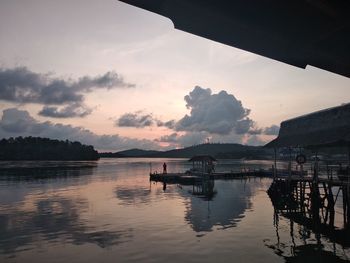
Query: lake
column 109, row 211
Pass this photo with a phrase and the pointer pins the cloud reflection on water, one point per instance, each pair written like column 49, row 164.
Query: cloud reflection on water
column 55, row 219
column 133, row 195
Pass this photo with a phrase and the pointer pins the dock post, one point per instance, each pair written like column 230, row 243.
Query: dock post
column 290, row 164
column 315, row 203
column 348, row 186
column 315, row 178
column 331, row 203
column 347, row 200
column 302, row 195
column 344, row 205
column 289, row 186
column 275, row 164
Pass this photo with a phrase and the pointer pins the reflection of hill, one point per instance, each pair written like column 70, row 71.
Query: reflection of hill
column 224, row 210
column 32, row 172
column 50, row 220
column 28, row 176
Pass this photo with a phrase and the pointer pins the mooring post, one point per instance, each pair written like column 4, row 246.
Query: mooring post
column 348, row 175
column 302, row 193
column 315, row 179
column 344, row 205
column 315, row 204
column 290, row 164
column 289, row 188
column 331, row 204
column 275, row 165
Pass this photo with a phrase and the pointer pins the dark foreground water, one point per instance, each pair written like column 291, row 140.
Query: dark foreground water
column 108, row 211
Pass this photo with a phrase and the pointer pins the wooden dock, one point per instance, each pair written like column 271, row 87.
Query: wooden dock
column 313, row 198
column 189, row 179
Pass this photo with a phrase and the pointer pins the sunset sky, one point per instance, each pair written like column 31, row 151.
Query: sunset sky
column 118, row 77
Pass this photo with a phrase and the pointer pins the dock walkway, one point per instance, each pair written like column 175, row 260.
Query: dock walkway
column 187, row 178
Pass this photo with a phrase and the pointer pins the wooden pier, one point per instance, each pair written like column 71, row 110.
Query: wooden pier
column 312, row 199
column 203, row 168
column 189, row 179
column 317, row 197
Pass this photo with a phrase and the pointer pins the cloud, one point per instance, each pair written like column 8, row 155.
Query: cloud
column 169, row 124
column 16, row 122
column 139, row 119
column 20, row 85
column 221, row 118
column 109, row 80
column 243, row 126
column 135, row 120
column 217, row 117
column 70, row 111
column 171, row 138
column 192, row 138
column 255, row 141
column 272, row 130
column 184, row 140
column 218, row 113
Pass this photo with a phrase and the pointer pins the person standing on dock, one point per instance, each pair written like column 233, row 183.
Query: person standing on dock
column 164, row 168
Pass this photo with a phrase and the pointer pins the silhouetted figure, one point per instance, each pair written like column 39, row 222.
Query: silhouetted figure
column 164, row 168
column 164, row 186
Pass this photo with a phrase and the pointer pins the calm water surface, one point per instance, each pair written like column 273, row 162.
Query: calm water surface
column 108, row 211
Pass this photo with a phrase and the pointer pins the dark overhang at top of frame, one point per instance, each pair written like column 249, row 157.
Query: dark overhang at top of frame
column 296, row 32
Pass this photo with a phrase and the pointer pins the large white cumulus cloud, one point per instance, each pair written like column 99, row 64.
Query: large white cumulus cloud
column 218, row 113
column 213, row 117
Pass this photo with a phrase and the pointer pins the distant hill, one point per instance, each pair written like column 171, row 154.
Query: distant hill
column 217, row 150
column 129, row 153
column 36, row 148
column 110, row 155
column 139, row 153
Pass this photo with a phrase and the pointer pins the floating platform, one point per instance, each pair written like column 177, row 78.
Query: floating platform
column 189, row 179
column 175, row 178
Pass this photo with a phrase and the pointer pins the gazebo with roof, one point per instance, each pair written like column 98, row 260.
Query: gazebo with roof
column 202, row 164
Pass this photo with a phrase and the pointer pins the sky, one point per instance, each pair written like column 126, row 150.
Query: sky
column 117, row 77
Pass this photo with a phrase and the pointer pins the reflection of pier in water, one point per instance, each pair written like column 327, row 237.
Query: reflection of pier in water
column 207, row 208
column 205, row 189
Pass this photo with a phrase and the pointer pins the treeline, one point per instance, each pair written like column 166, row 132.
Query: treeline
column 36, row 148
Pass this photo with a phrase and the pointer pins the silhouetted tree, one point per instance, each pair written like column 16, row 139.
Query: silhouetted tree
column 36, row 148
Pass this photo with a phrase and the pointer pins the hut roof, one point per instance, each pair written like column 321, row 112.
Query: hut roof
column 199, row 158
column 329, row 127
